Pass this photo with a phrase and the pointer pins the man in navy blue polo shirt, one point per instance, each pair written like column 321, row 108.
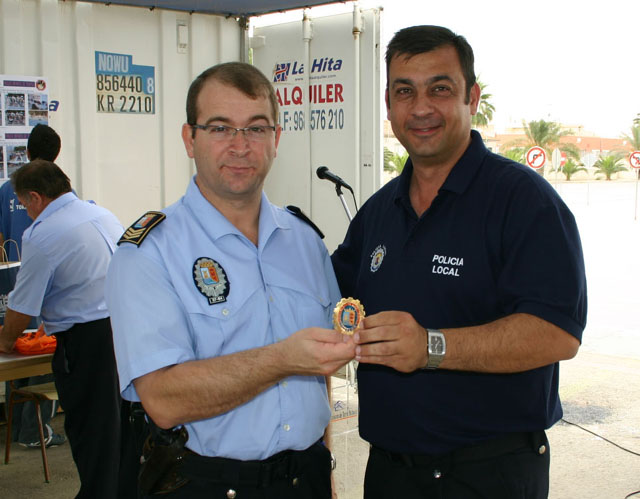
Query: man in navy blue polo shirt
column 470, row 269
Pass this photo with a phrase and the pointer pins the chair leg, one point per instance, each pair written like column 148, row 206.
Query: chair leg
column 7, row 444
column 43, row 447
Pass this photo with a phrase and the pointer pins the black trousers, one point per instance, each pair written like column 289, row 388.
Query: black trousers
column 514, row 467
column 288, row 475
column 96, row 420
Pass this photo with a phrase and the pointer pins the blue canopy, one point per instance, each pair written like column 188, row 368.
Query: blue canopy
column 236, row 8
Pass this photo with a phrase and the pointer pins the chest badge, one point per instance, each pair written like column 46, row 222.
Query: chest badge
column 377, row 256
column 211, row 280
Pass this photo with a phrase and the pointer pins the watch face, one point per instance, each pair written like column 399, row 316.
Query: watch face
column 436, row 344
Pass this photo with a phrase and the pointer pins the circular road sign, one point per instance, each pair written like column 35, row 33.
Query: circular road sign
column 634, row 159
column 536, row 157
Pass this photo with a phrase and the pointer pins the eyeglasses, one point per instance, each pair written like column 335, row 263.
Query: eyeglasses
column 255, row 133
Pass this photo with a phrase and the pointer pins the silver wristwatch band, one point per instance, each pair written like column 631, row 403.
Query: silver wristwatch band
column 437, row 348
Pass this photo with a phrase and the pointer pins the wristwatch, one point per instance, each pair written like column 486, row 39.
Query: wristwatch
column 437, row 348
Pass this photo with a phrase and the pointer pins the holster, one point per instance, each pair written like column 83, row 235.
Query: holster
column 161, row 458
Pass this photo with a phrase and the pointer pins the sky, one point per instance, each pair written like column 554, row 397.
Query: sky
column 574, row 62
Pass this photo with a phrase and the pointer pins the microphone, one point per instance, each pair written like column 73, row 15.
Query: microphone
column 324, row 173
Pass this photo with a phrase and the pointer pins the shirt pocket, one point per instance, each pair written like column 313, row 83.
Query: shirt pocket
column 308, row 308
column 221, row 328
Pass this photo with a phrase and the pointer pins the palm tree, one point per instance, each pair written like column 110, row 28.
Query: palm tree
column 399, row 161
column 636, row 120
column 387, row 164
column 394, row 162
column 515, row 154
column 547, row 134
column 571, row 167
column 610, row 163
column 485, row 108
column 634, row 139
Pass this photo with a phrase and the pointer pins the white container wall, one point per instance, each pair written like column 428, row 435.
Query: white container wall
column 117, row 83
column 129, row 162
column 326, row 72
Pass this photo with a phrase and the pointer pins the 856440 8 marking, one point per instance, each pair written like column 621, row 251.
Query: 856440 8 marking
column 123, row 87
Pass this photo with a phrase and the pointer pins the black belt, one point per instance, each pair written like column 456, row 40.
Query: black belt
column 484, row 450
column 263, row 473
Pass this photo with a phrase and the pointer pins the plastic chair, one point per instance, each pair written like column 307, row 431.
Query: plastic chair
column 35, row 394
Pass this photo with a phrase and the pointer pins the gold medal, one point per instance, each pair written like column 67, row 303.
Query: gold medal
column 347, row 315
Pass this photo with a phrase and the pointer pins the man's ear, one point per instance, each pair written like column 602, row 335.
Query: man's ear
column 187, row 138
column 278, row 134
column 35, row 198
column 474, row 98
column 386, row 100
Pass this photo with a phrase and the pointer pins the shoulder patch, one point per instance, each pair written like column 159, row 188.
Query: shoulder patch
column 141, row 227
column 297, row 212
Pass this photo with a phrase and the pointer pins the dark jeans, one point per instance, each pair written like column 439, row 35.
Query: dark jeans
column 520, row 473
column 95, row 416
column 306, row 475
column 24, row 427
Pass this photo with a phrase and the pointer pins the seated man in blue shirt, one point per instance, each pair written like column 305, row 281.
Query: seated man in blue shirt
column 43, row 143
column 470, row 267
column 221, row 308
column 66, row 252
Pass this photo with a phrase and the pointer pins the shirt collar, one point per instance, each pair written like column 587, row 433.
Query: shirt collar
column 218, row 226
column 52, row 207
column 460, row 175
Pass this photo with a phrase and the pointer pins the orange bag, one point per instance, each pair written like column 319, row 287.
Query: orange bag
column 36, row 343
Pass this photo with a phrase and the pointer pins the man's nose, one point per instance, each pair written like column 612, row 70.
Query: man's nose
column 423, row 104
column 239, row 141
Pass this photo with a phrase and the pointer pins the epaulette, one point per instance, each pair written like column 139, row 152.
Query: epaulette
column 141, row 227
column 297, row 212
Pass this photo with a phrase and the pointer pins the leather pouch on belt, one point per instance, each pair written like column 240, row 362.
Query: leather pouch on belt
column 161, row 458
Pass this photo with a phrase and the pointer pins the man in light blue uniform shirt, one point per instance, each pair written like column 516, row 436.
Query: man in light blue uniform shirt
column 43, row 143
column 210, row 303
column 66, row 252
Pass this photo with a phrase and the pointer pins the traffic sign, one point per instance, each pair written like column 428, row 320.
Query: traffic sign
column 555, row 158
column 634, row 159
column 558, row 158
column 536, row 157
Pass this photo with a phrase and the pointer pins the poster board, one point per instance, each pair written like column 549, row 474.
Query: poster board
column 24, row 103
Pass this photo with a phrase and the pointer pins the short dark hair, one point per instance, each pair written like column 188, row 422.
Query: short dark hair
column 239, row 75
column 43, row 143
column 419, row 39
column 41, row 176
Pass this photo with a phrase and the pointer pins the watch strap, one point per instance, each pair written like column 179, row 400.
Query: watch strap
column 435, row 357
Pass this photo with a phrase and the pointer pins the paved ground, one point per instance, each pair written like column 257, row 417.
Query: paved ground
column 600, row 388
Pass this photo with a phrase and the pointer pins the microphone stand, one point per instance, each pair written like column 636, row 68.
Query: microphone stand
column 352, row 365
column 323, row 174
column 344, row 203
